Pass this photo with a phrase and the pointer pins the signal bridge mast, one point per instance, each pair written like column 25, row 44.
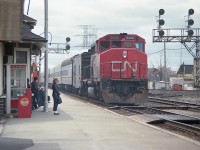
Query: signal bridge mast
column 54, row 48
column 189, row 37
column 58, row 48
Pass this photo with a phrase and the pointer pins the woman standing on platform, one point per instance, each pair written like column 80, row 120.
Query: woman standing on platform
column 34, row 89
column 56, row 95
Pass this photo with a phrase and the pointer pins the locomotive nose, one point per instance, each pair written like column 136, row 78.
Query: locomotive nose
column 126, row 91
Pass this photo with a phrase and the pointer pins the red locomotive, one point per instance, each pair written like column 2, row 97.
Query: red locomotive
column 114, row 70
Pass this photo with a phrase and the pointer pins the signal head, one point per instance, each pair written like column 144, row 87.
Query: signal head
column 68, row 47
column 190, row 33
column 68, row 39
column 190, row 11
column 190, row 22
column 161, row 22
column 161, row 33
column 161, row 11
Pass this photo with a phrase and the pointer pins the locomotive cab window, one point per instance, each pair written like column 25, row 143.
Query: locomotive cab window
column 140, row 46
column 128, row 44
column 117, row 44
column 104, row 45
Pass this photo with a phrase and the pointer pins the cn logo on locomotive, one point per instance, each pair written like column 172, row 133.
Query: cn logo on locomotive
column 124, row 54
column 130, row 65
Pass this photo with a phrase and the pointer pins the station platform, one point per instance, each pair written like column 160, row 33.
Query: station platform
column 83, row 126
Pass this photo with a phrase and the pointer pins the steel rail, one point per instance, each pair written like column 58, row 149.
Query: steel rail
column 179, row 125
column 170, row 102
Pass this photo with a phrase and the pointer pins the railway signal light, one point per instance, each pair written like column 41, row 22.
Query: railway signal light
column 161, row 11
column 68, row 47
column 67, row 44
column 68, row 39
column 190, row 22
column 190, row 11
column 190, row 33
column 161, row 33
column 161, row 22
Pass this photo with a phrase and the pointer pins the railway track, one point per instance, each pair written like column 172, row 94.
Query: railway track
column 171, row 102
column 183, row 124
column 190, row 130
column 178, row 105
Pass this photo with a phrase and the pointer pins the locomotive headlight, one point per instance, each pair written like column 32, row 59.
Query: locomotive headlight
column 124, row 54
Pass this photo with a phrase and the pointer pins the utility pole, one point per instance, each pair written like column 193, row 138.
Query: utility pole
column 161, row 69
column 46, row 56
column 165, row 64
column 181, row 55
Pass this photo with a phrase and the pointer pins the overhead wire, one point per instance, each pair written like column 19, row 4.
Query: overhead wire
column 155, row 52
column 166, row 49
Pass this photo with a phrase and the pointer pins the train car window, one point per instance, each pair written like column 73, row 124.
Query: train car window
column 104, row 45
column 140, row 46
column 128, row 44
column 116, row 44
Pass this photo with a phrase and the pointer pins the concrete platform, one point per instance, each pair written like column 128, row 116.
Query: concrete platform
column 82, row 126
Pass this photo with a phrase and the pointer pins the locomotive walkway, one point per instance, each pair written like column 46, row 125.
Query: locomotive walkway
column 82, row 126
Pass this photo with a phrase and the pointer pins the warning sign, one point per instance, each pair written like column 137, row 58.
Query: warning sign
column 24, row 101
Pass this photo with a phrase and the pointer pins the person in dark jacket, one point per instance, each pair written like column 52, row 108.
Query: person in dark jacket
column 56, row 95
column 34, row 89
column 28, row 83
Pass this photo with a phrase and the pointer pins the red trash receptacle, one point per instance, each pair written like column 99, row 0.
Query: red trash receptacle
column 25, row 105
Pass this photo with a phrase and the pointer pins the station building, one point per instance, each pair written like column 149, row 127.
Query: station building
column 18, row 44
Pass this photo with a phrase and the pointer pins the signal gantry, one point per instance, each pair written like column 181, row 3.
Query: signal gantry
column 188, row 36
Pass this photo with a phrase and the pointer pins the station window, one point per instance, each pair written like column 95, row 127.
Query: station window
column 21, row 57
column 104, row 45
column 117, row 44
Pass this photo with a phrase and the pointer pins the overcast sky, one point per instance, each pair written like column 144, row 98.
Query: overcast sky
column 115, row 16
